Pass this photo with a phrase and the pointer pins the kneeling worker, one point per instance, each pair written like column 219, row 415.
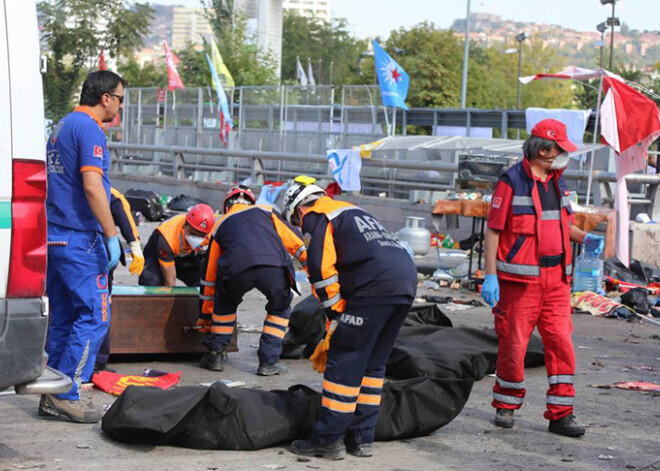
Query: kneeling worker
column 177, row 247
column 249, row 250
column 366, row 282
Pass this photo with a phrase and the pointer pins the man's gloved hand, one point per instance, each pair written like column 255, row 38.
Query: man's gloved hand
column 490, row 290
column 320, row 355
column 138, row 258
column 114, row 252
column 594, row 243
column 203, row 325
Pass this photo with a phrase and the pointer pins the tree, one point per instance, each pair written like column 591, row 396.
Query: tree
column 74, row 36
column 247, row 64
column 318, row 40
column 149, row 75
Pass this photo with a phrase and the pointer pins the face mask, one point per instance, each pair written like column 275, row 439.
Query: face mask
column 194, row 241
column 560, row 162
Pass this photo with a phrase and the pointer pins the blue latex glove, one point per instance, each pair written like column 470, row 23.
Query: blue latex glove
column 114, row 251
column 490, row 290
column 594, row 244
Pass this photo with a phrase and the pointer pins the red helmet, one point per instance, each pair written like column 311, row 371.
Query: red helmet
column 238, row 191
column 201, row 217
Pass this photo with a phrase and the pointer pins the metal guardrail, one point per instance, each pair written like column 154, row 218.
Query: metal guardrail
column 179, row 165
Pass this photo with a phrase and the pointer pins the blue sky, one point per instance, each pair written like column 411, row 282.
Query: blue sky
column 379, row 17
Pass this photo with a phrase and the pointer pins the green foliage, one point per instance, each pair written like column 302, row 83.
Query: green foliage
column 193, row 67
column 247, row 64
column 149, row 75
column 74, row 39
column 319, row 40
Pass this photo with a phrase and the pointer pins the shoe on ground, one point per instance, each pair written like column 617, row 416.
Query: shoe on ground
column 361, row 450
column 98, row 368
column 74, row 411
column 214, row 361
column 266, row 369
column 567, row 426
column 331, row 451
column 504, row 418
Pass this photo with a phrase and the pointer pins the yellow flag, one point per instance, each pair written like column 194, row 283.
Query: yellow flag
column 220, row 66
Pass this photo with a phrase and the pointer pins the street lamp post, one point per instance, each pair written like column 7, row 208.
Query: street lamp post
column 466, row 52
column 601, row 27
column 611, row 22
column 520, row 38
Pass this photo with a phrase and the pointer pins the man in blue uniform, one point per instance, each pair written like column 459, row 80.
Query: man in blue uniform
column 366, row 281
column 80, row 226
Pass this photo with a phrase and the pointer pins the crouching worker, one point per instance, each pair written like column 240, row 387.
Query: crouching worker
column 366, row 281
column 528, row 267
column 176, row 249
column 249, row 250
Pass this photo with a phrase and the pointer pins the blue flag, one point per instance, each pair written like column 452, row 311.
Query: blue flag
column 225, row 116
column 393, row 80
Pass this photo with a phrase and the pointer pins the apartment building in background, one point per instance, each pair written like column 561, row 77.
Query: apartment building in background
column 189, row 26
column 312, row 8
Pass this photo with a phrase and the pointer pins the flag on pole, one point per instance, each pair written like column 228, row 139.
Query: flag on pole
column 300, row 73
column 310, row 74
column 220, row 66
column 171, row 60
column 102, row 64
column 225, row 116
column 393, row 80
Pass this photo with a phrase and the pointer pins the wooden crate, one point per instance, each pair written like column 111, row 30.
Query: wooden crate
column 156, row 320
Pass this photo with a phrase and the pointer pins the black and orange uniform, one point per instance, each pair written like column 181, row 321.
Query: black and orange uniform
column 533, row 268
column 366, row 281
column 123, row 218
column 168, row 246
column 251, row 248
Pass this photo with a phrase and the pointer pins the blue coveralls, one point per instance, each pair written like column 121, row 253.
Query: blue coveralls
column 366, row 281
column 77, row 280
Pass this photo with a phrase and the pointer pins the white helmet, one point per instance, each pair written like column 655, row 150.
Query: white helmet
column 300, row 193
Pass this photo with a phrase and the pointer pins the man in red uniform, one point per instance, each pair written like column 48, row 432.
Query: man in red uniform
column 528, row 257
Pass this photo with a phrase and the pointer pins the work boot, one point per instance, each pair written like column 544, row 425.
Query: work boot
column 214, row 361
column 266, row 369
column 331, row 451
column 504, row 418
column 74, row 411
column 361, row 450
column 567, row 426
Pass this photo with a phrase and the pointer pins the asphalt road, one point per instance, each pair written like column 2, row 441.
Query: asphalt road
column 623, row 426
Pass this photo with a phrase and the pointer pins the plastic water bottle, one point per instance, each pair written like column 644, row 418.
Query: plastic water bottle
column 588, row 274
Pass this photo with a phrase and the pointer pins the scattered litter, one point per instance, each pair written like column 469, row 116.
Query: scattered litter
column 302, row 459
column 601, row 386
column 250, row 328
column 611, row 448
column 492, row 375
column 8, row 393
column 642, row 386
column 452, row 307
column 429, row 284
column 57, row 460
column 598, row 363
column 567, row 459
column 583, row 347
column 84, row 447
column 455, row 285
column 605, row 457
column 643, row 368
column 274, row 466
column 312, row 466
column 227, row 382
column 28, row 465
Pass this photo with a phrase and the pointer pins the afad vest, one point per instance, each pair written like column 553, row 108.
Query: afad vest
column 518, row 249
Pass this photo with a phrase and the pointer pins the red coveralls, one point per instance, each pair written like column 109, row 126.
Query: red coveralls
column 533, row 268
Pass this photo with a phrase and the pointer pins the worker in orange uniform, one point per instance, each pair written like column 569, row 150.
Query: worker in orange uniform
column 251, row 248
column 176, row 249
column 528, row 267
column 365, row 281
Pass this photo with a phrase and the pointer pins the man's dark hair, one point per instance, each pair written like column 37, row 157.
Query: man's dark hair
column 533, row 145
column 97, row 84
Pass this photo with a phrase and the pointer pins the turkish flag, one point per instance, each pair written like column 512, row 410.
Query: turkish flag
column 102, row 64
column 171, row 60
column 115, row 383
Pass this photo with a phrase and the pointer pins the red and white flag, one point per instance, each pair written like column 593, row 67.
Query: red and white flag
column 572, row 73
column 102, row 64
column 171, row 60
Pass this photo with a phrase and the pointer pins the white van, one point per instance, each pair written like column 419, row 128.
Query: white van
column 23, row 251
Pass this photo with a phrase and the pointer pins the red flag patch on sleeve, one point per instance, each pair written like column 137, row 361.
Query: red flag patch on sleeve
column 98, row 152
column 497, row 202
